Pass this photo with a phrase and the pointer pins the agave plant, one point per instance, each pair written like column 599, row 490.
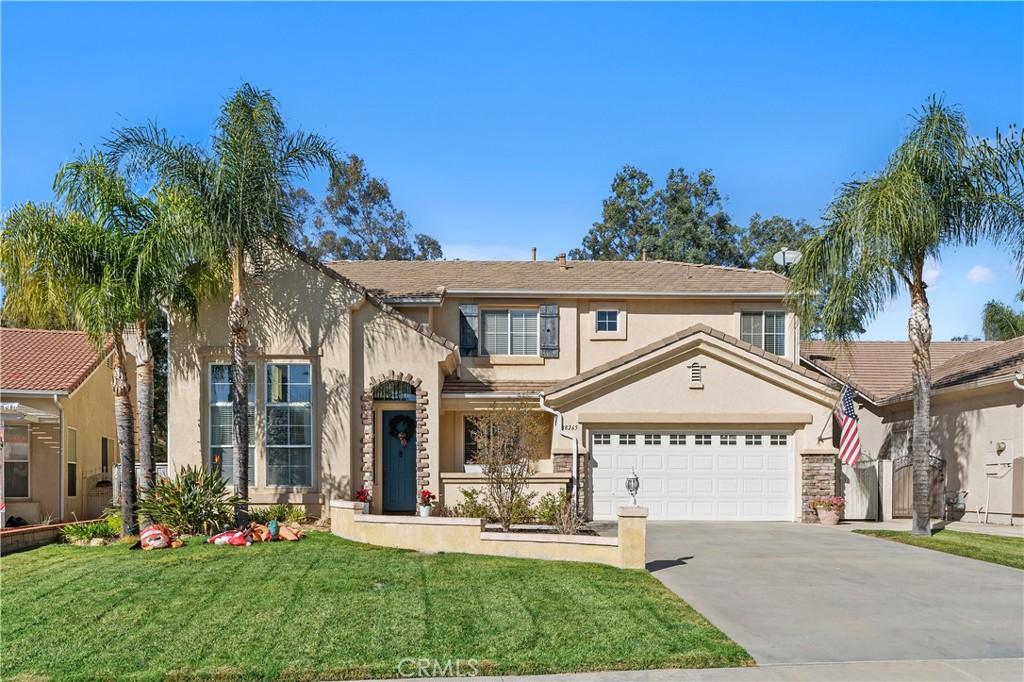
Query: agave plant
column 194, row 502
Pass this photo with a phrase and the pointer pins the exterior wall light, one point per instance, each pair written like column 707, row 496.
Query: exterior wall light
column 633, row 485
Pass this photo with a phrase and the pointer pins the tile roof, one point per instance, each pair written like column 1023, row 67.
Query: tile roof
column 678, row 336
column 1001, row 359
column 456, row 385
column 879, row 369
column 408, row 278
column 45, row 360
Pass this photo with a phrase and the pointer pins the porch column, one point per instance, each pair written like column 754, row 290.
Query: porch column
column 817, row 479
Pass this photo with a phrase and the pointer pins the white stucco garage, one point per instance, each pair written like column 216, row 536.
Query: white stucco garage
column 695, row 475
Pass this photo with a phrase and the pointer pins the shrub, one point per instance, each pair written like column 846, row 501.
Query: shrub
column 282, row 513
column 112, row 517
column 83, row 532
column 549, row 506
column 472, row 507
column 194, row 502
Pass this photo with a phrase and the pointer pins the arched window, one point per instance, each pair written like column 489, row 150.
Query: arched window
column 394, row 390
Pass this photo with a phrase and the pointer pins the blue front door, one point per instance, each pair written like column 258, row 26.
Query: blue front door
column 399, row 442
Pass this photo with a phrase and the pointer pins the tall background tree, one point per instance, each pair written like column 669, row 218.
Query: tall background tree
column 357, row 220
column 683, row 220
column 940, row 187
column 240, row 190
column 999, row 321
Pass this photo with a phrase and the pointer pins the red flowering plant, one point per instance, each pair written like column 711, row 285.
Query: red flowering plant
column 363, row 495
column 829, row 503
column 427, row 498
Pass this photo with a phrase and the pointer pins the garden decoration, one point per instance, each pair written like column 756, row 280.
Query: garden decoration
column 156, row 536
column 829, row 509
column 426, row 502
column 400, row 427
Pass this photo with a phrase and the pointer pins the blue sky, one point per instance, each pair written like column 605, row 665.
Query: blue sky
column 499, row 127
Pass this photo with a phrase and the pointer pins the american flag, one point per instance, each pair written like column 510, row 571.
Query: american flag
column 849, row 437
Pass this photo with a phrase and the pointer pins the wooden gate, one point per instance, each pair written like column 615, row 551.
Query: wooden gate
column 903, row 486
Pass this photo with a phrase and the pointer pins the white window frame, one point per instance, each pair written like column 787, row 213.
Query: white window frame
column 482, row 352
column 253, row 441
column 312, row 424
column 69, row 459
column 619, row 334
column 760, row 344
column 28, row 460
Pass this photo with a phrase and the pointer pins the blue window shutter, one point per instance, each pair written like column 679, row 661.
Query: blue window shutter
column 469, row 326
column 549, row 330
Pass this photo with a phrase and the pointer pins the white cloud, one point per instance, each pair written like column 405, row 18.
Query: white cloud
column 932, row 271
column 484, row 252
column 979, row 274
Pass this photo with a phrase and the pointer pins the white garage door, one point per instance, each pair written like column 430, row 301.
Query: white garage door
column 705, row 475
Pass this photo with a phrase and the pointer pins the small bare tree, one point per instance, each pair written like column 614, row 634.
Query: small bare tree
column 509, row 438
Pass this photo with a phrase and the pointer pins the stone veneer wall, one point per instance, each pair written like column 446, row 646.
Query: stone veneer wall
column 561, row 463
column 422, row 432
column 817, row 479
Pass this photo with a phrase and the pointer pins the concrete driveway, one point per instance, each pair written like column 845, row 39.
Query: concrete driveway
column 792, row 593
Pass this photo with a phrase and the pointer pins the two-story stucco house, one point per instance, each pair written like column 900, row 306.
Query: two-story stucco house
column 363, row 374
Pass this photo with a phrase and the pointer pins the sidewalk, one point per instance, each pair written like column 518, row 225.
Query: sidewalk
column 959, row 526
column 989, row 670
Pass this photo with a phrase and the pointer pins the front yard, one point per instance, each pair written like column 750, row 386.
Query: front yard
column 326, row 608
column 996, row 549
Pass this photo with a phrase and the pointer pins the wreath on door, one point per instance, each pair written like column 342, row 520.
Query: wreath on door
column 401, row 427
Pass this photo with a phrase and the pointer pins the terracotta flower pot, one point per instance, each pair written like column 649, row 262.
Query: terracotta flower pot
column 828, row 517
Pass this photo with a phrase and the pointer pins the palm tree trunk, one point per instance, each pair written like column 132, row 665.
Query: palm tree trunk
column 920, row 334
column 238, row 320
column 144, row 402
column 125, row 428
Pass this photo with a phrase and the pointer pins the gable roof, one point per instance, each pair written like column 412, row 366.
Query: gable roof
column 999, row 360
column 679, row 336
column 878, row 369
column 600, row 278
column 46, row 360
column 370, row 296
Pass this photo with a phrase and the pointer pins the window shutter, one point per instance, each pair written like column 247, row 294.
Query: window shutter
column 549, row 330
column 469, row 325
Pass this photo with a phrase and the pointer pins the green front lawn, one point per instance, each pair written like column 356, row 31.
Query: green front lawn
column 326, row 608
column 996, row 549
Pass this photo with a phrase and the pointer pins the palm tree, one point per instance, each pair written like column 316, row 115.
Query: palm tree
column 240, row 191
column 941, row 186
column 1000, row 322
column 105, row 261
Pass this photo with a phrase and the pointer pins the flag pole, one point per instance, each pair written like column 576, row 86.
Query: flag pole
column 832, row 413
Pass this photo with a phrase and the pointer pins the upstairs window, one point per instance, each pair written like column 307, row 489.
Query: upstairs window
column 607, row 320
column 510, row 332
column 766, row 329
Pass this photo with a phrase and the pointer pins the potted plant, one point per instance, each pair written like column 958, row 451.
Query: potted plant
column 363, row 495
column 829, row 509
column 426, row 502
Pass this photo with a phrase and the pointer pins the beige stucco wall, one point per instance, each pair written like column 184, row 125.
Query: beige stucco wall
column 966, row 426
column 580, row 348
column 466, row 535
column 299, row 313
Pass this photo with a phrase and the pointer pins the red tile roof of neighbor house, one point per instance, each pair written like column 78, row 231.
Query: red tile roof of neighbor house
column 881, row 370
column 412, row 278
column 1002, row 359
column 45, row 360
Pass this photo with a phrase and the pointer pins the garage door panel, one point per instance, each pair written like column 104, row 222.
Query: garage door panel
column 695, row 475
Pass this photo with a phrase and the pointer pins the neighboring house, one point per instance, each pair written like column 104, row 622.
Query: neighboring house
column 977, row 426
column 364, row 374
column 57, row 410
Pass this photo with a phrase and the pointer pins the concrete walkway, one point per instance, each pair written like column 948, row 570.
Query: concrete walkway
column 959, row 526
column 793, row 593
column 991, row 670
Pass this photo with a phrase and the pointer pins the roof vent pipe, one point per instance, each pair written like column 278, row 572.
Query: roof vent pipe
column 643, row 254
column 533, row 253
